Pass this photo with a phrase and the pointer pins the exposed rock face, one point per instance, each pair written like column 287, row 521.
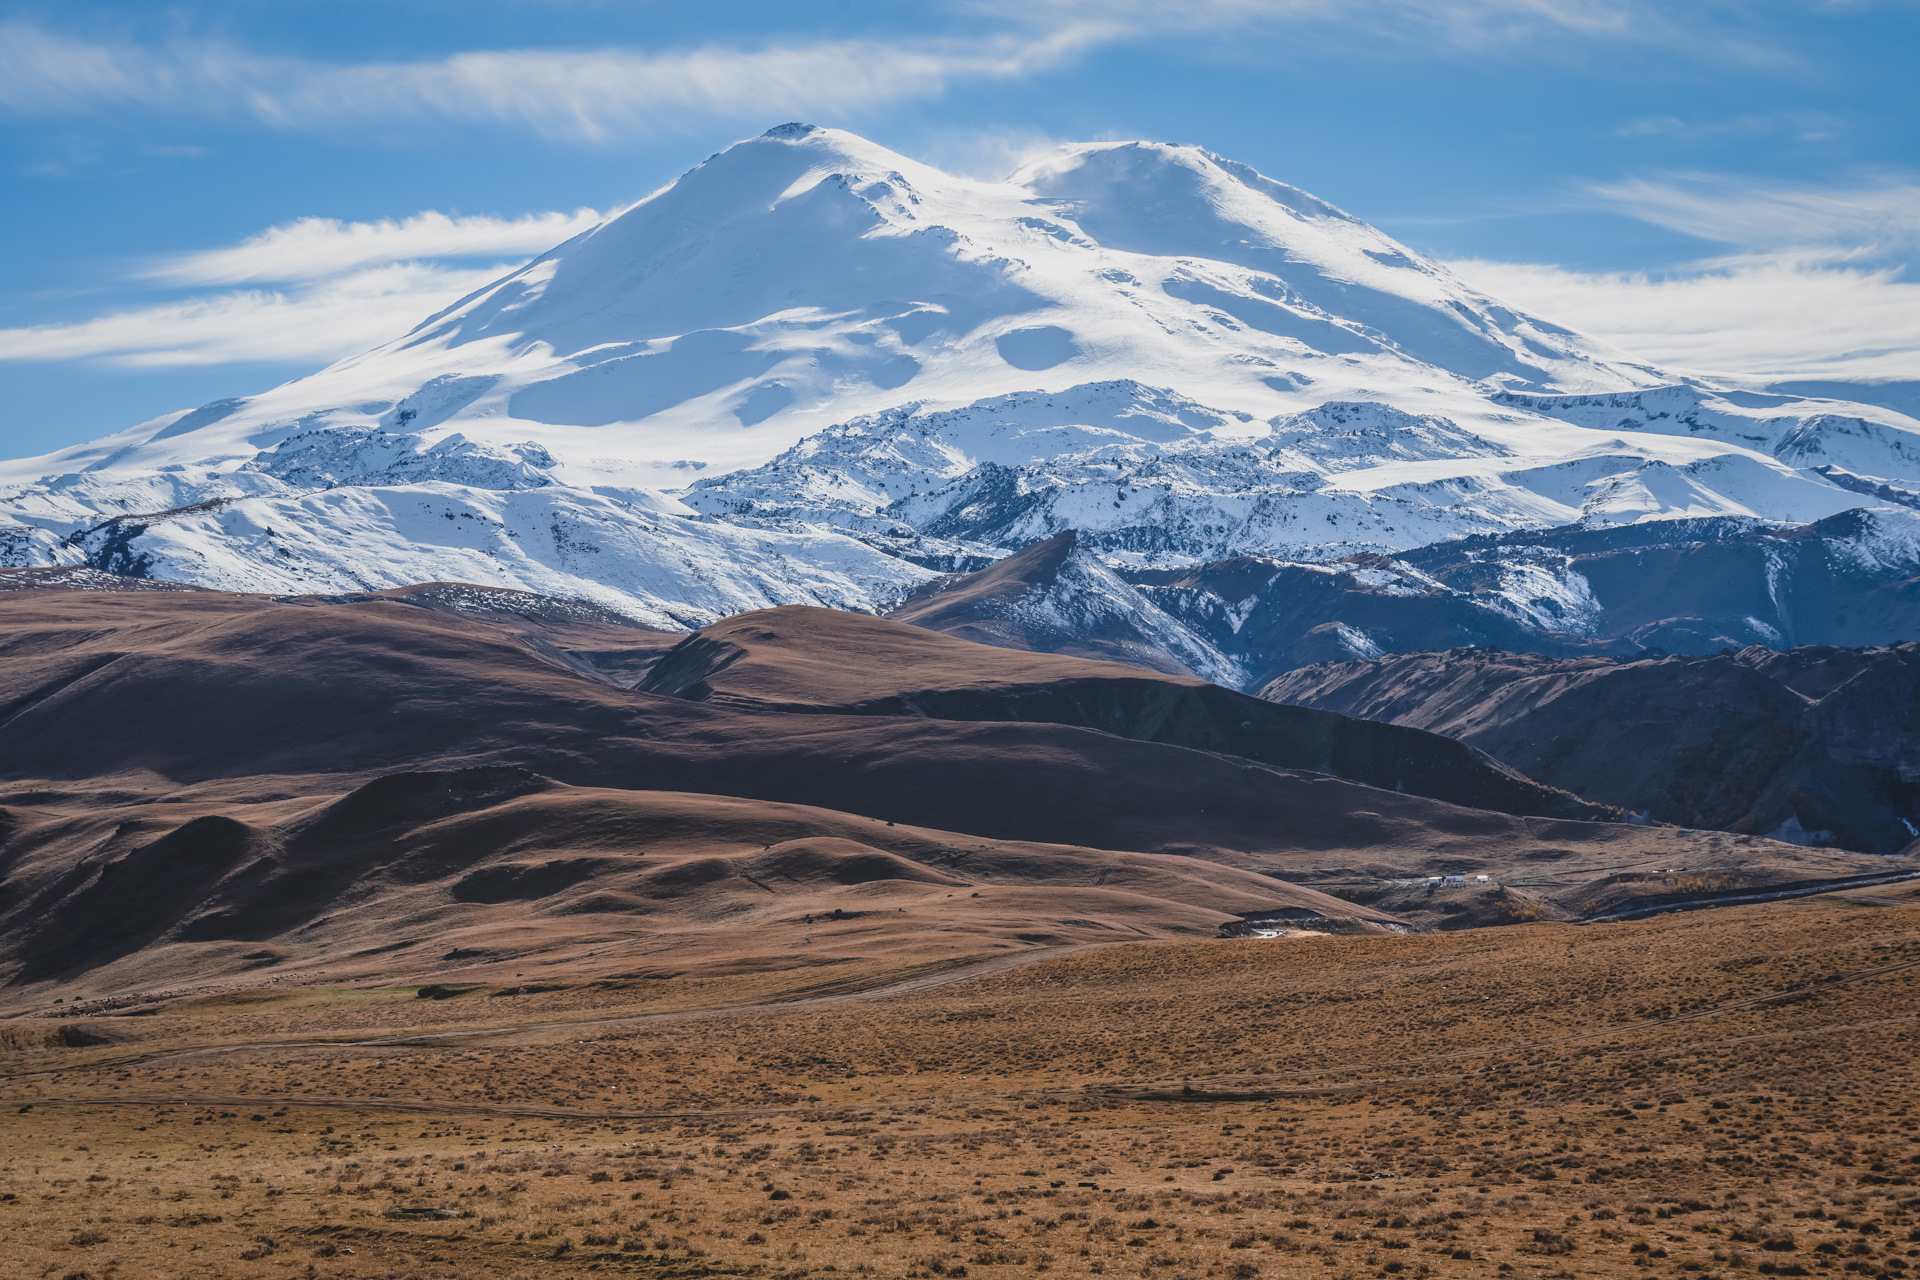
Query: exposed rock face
column 1053, row 597
column 1814, row 745
column 1272, row 616
column 1701, row 585
column 1682, row 586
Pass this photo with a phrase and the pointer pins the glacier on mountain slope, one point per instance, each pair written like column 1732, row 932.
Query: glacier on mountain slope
column 1152, row 477
column 871, row 369
column 661, row 569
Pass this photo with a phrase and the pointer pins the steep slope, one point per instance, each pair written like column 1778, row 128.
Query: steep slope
column 1678, row 586
column 632, row 553
column 1699, row 586
column 797, row 660
column 1683, row 586
column 813, row 371
column 1814, row 745
column 1273, row 616
column 1053, row 597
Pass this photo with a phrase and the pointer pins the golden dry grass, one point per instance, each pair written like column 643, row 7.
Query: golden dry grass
column 1723, row 1093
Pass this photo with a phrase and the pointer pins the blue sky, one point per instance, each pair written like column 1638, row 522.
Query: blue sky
column 205, row 199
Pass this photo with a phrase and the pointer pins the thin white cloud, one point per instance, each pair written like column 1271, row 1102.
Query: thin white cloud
column 1815, row 289
column 603, row 93
column 1421, row 27
column 588, row 95
column 348, row 286
column 311, row 248
column 1467, row 21
column 1774, row 315
column 317, row 322
column 1881, row 212
column 1802, row 126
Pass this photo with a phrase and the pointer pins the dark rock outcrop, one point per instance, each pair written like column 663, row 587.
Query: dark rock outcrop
column 1815, row 745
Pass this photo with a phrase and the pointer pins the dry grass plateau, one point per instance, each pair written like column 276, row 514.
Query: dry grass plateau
column 1721, row 1093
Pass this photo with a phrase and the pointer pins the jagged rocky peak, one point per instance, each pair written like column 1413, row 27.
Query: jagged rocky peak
column 861, row 467
column 333, row 456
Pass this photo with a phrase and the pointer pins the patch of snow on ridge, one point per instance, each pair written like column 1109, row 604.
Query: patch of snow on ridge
column 1347, row 435
column 853, row 471
column 1356, row 641
column 1880, row 541
column 1088, row 599
column 1799, row 432
column 1548, row 593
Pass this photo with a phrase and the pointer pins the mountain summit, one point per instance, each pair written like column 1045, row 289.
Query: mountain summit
column 814, row 371
column 808, row 276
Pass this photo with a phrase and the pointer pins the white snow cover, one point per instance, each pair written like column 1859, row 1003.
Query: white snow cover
column 811, row 366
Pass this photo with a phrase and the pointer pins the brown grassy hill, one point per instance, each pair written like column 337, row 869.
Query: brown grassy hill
column 579, row 635
column 483, row 874
column 202, row 783
column 803, row 659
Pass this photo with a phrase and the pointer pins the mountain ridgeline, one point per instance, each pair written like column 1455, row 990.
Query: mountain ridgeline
column 812, row 371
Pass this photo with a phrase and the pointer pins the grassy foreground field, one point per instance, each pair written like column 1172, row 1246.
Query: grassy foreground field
column 1720, row 1093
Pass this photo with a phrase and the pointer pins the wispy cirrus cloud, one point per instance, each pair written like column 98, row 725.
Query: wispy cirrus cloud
column 1864, row 214
column 1465, row 21
column 583, row 94
column 598, row 94
column 1767, row 316
column 1799, row 126
column 1430, row 27
column 313, row 248
column 315, row 322
column 342, row 287
column 1816, row 285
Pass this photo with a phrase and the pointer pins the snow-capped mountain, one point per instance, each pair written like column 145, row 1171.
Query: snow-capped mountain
column 814, row 371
